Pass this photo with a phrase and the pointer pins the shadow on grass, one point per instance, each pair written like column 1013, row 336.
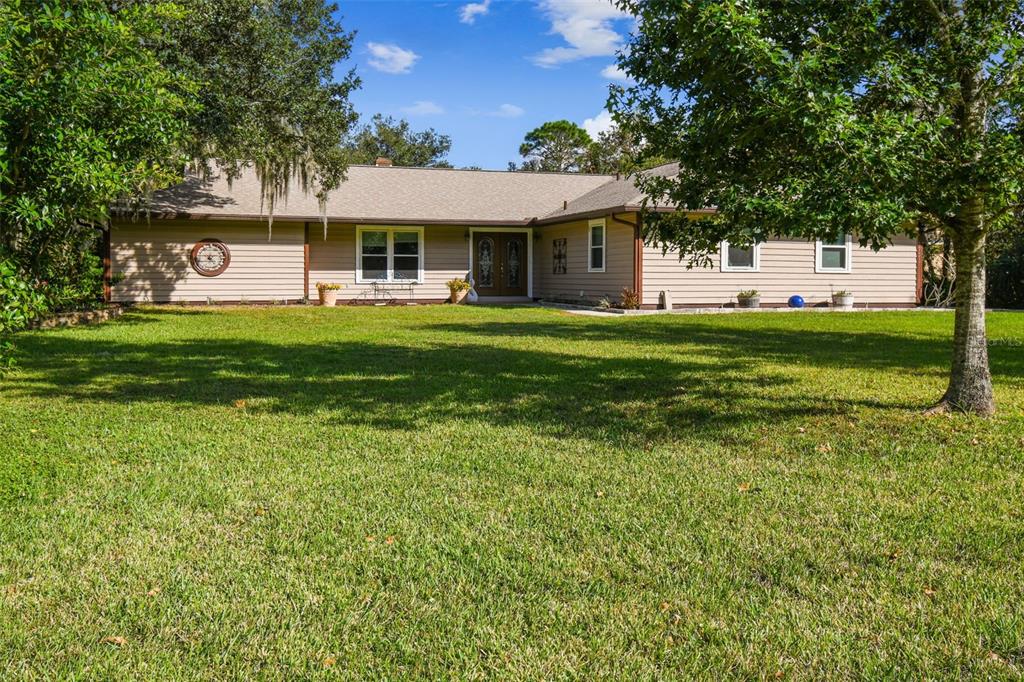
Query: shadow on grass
column 717, row 391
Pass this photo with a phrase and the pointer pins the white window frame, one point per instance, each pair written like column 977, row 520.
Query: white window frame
column 723, row 251
column 390, row 229
column 590, row 245
column 819, row 245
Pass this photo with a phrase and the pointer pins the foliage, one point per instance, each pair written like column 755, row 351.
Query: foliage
column 619, row 150
column 579, row 489
column 268, row 94
column 20, row 303
column 458, row 284
column 329, row 286
column 1004, row 250
column 556, row 146
column 815, row 119
column 629, row 299
column 842, row 293
column 395, row 140
column 748, row 293
column 86, row 117
column 102, row 102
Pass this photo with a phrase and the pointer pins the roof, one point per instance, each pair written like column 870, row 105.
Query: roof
column 619, row 193
column 403, row 195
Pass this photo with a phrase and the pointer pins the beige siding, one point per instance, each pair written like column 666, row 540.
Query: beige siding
column 576, row 283
column 445, row 253
column 888, row 276
column 154, row 261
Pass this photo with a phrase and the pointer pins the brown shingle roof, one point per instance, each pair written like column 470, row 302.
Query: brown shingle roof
column 376, row 194
column 620, row 193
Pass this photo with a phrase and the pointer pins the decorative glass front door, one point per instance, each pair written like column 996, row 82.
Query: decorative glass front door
column 500, row 264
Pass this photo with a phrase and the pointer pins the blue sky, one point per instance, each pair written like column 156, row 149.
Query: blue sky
column 487, row 71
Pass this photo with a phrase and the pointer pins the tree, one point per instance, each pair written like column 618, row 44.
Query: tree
column 104, row 101
column 556, row 146
column 267, row 94
column 619, row 150
column 85, row 117
column 395, row 140
column 816, row 119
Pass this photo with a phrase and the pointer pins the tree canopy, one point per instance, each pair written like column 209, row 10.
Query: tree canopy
column 106, row 101
column 556, row 146
column 815, row 119
column 384, row 137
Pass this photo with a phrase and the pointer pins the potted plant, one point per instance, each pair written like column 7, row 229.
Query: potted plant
column 843, row 299
column 328, row 292
column 750, row 298
column 458, row 288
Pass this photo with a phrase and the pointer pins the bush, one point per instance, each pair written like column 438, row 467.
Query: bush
column 1006, row 276
column 20, row 303
column 629, row 300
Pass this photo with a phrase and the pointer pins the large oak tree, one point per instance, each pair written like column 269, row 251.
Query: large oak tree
column 820, row 118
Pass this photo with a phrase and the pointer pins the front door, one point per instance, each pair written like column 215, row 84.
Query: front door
column 499, row 263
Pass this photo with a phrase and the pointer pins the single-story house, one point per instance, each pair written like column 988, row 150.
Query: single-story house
column 396, row 234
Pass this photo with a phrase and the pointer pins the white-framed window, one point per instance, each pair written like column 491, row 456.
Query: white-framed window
column 740, row 259
column 389, row 254
column 834, row 255
column 597, row 239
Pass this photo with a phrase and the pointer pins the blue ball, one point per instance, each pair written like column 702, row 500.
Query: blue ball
column 796, row 301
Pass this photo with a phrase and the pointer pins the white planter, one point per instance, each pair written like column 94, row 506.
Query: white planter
column 843, row 302
column 752, row 302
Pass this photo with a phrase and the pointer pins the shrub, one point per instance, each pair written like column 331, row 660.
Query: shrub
column 20, row 303
column 748, row 293
column 629, row 299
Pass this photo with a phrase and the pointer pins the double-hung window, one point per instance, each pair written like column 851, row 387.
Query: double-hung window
column 597, row 240
column 833, row 255
column 740, row 258
column 389, row 254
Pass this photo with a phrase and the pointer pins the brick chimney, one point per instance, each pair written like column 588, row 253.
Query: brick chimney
column 382, row 161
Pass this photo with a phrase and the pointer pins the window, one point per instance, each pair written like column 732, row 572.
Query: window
column 740, row 259
column 833, row 255
column 597, row 246
column 393, row 254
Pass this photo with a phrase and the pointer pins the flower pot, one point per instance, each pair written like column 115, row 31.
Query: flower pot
column 843, row 302
column 458, row 296
column 752, row 302
column 328, row 297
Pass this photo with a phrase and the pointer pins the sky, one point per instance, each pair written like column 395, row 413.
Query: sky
column 484, row 72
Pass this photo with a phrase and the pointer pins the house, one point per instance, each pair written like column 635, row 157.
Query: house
column 396, row 234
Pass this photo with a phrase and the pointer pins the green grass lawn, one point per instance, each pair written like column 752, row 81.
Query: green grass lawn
column 507, row 493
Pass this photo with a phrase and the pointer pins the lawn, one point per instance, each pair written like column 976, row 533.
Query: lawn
column 507, row 493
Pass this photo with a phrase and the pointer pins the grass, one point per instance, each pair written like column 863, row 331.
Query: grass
column 507, row 493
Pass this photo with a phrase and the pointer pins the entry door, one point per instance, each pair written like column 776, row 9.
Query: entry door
column 500, row 264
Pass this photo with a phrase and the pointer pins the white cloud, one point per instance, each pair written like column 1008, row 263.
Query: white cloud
column 470, row 12
column 587, row 27
column 423, row 108
column 391, row 58
column 507, row 111
column 613, row 73
column 599, row 124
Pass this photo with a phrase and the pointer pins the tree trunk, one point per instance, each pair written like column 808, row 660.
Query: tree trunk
column 970, row 382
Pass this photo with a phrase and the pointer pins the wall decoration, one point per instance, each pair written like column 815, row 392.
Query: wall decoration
column 559, row 252
column 210, row 257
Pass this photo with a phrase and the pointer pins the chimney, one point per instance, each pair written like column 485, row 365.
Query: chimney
column 382, row 161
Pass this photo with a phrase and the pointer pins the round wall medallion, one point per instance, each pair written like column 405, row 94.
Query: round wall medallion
column 210, row 257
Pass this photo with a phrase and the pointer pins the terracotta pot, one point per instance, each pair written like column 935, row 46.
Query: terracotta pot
column 458, row 296
column 329, row 297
